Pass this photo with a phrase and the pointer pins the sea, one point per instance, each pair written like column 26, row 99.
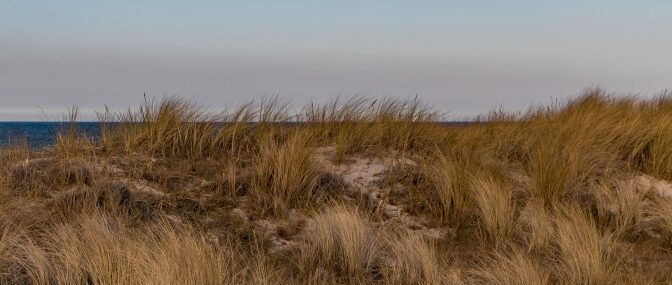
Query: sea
column 39, row 135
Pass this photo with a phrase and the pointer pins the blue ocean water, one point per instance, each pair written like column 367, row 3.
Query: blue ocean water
column 40, row 134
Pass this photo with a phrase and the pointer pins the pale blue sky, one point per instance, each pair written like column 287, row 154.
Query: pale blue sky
column 464, row 57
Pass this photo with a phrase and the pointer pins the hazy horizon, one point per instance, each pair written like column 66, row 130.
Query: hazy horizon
column 462, row 57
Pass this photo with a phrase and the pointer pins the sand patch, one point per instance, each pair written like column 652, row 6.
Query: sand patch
column 646, row 183
column 363, row 176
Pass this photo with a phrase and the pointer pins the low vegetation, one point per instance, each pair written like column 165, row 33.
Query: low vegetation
column 354, row 191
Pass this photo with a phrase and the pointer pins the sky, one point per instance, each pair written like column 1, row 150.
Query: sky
column 461, row 57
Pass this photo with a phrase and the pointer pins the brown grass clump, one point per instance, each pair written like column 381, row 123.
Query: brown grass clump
column 360, row 124
column 284, row 176
column 102, row 250
column 657, row 220
column 171, row 127
column 496, row 209
column 412, row 260
column 511, row 268
column 536, row 226
column 450, row 197
column 341, row 243
column 110, row 197
column 622, row 208
column 343, row 246
column 582, row 250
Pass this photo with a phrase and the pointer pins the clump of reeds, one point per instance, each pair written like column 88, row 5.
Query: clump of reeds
column 99, row 249
column 342, row 245
column 284, row 174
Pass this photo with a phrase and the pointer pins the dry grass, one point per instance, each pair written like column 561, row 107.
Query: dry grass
column 496, row 211
column 411, row 260
column 100, row 249
column 582, row 250
column 449, row 195
column 511, row 268
column 284, row 175
column 657, row 220
column 343, row 246
column 341, row 243
column 536, row 228
column 174, row 194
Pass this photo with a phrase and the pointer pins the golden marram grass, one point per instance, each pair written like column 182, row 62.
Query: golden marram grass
column 570, row 193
